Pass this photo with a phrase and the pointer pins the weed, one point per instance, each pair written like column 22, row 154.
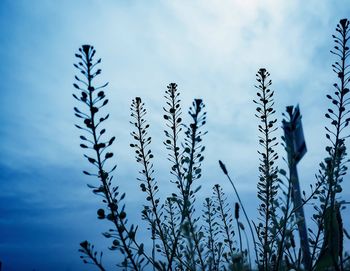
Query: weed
column 183, row 239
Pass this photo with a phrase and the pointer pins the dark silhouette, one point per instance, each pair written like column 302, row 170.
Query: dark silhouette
column 183, row 239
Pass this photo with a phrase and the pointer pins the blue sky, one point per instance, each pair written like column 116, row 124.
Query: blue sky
column 211, row 49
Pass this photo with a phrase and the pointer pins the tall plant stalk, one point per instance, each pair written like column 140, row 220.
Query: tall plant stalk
column 94, row 99
column 180, row 240
column 333, row 168
column 148, row 184
column 267, row 184
column 224, row 170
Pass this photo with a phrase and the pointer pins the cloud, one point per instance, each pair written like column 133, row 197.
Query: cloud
column 212, row 50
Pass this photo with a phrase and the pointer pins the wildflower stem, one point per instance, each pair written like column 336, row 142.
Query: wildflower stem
column 223, row 167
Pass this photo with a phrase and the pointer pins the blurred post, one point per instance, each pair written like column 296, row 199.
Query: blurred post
column 296, row 149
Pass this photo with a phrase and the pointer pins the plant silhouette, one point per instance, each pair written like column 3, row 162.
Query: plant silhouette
column 217, row 238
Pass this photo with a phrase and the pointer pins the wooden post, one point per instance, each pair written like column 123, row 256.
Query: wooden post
column 296, row 149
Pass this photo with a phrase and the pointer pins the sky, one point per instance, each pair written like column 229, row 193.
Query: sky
column 211, row 49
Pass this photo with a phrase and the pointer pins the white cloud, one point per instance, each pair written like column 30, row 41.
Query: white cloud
column 212, row 49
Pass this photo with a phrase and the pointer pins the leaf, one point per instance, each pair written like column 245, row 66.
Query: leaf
column 141, row 249
column 91, row 160
column 104, row 103
column 101, row 214
column 108, row 155
column 197, row 189
column 84, row 244
column 111, row 141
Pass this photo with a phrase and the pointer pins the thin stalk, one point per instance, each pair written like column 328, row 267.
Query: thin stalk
column 284, row 228
column 223, row 167
column 224, row 220
column 102, row 173
column 150, row 189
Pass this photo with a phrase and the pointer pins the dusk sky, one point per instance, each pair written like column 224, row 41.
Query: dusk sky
column 211, row 49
